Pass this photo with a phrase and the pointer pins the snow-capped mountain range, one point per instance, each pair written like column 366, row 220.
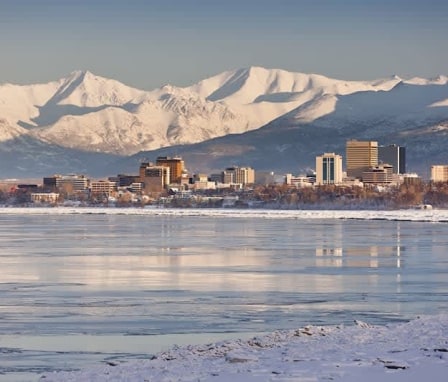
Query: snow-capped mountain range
column 86, row 123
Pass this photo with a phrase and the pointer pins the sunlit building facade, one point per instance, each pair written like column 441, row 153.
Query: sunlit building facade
column 328, row 169
column 439, row 173
column 238, row 175
column 154, row 179
column 381, row 174
column 360, row 157
column 176, row 166
column 103, row 187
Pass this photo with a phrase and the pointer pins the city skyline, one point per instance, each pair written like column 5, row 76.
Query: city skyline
column 146, row 44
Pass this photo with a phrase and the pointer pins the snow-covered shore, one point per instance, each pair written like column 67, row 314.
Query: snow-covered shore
column 413, row 351
column 430, row 215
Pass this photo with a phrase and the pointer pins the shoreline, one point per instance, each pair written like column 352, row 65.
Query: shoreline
column 420, row 215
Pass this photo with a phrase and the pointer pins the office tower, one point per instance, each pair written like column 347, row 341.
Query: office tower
column 239, row 175
column 328, row 169
column 176, row 166
column 360, row 156
column 393, row 155
column 156, row 178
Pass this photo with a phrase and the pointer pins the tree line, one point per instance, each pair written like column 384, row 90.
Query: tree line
column 405, row 195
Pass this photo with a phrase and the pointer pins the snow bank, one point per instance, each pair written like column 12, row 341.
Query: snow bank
column 412, row 351
column 429, row 215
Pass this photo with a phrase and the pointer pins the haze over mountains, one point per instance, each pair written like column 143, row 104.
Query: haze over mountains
column 270, row 119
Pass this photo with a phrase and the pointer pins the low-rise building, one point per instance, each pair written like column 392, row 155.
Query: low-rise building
column 103, row 187
column 44, row 197
column 298, row 181
column 439, row 173
column 201, row 182
column 410, row 178
column 382, row 174
column 66, row 183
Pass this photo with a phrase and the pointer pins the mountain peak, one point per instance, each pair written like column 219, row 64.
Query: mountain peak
column 76, row 75
column 83, row 88
column 93, row 113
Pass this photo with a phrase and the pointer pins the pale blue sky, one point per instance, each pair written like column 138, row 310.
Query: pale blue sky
column 148, row 43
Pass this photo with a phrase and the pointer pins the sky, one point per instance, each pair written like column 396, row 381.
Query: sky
column 149, row 43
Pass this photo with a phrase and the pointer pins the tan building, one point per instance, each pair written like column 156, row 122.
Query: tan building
column 328, row 169
column 103, row 187
column 382, row 174
column 411, row 178
column 360, row 157
column 239, row 175
column 44, row 197
column 439, row 173
column 155, row 179
column 176, row 166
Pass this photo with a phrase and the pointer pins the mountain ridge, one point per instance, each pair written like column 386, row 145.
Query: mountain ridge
column 88, row 113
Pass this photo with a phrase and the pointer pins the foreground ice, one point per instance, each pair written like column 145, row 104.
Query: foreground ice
column 414, row 351
column 431, row 215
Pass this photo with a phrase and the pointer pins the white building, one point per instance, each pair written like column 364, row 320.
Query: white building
column 329, row 169
column 298, row 181
column 44, row 197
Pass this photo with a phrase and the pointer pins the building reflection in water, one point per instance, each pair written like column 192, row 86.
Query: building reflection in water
column 332, row 252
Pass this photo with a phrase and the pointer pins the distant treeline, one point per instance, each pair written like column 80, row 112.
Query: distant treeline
column 277, row 196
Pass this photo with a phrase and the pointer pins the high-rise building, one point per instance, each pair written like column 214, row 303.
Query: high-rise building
column 393, row 155
column 239, row 175
column 154, row 178
column 439, row 173
column 360, row 156
column 176, row 166
column 328, row 169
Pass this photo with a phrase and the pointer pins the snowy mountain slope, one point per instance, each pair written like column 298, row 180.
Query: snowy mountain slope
column 243, row 86
column 150, row 125
column 267, row 116
column 19, row 102
column 265, row 94
column 10, row 130
column 92, row 113
column 83, row 88
column 404, row 103
column 405, row 115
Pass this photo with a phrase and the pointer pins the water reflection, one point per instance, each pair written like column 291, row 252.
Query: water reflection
column 101, row 275
column 199, row 254
column 337, row 252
